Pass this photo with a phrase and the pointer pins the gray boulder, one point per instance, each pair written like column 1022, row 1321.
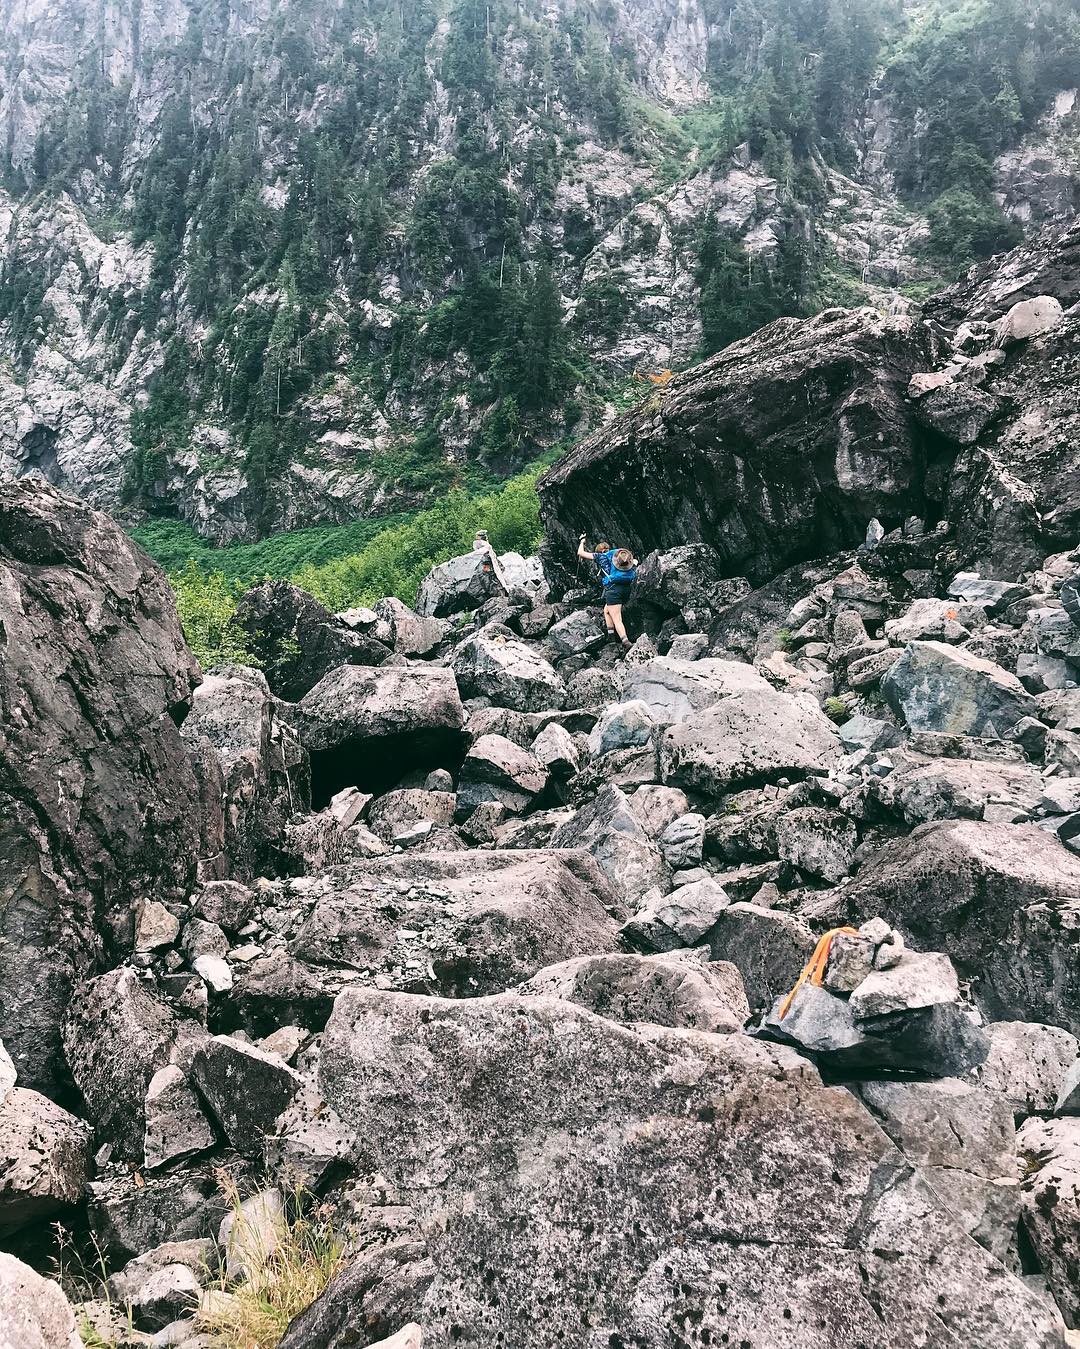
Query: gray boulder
column 622, row 726
column 999, row 899
column 674, row 989
column 954, row 789
column 295, row 641
column 608, row 829
column 767, row 947
column 683, row 841
column 577, row 633
column 34, row 1312
column 131, row 1212
column 757, row 737
column 820, row 843
column 683, row 918
column 366, row 727
column 1027, row 1064
column 44, row 1159
column 939, row 1040
column 410, row 634
column 1049, row 1152
column 245, row 1088
column 392, row 815
column 176, row 1125
column 676, row 1136
column 450, row 587
column 942, row 688
column 96, row 786
column 465, row 923
column 117, row 1035
column 253, row 773
column 688, row 576
column 656, row 807
column 495, row 769
column 556, row 750
column 507, row 672
column 674, row 689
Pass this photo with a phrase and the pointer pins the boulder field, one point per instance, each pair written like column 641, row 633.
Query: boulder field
column 724, row 992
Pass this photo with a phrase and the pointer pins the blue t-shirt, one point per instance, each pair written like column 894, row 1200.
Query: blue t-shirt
column 605, row 562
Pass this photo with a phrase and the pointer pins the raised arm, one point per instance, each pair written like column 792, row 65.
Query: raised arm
column 582, row 551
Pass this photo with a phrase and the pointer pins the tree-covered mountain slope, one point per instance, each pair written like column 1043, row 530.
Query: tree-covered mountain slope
column 268, row 265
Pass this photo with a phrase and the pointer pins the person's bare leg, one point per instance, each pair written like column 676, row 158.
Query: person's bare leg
column 613, row 616
column 608, row 624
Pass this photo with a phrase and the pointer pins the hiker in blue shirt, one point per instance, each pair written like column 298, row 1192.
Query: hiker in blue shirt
column 617, row 568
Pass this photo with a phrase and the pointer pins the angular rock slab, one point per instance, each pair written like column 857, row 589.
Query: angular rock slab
column 116, row 1037
column 936, row 687
column 1027, row 1064
column 1001, row 900
column 465, row 923
column 1049, row 1153
column 590, row 1184
column 962, row 1139
column 507, row 672
column 368, row 728
column 246, row 1088
column 44, row 1158
column 748, row 740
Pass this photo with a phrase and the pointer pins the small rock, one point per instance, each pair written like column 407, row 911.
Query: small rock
column 920, row 979
column 155, row 926
column 683, row 841
column 246, row 1089
column 251, row 1234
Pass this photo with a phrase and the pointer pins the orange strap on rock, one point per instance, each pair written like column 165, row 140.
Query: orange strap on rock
column 814, row 969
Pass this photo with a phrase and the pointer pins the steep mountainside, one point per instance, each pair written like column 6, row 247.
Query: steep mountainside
column 271, row 264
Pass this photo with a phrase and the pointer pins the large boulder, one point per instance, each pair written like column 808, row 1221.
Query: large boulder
column 674, row 989
column 296, row 641
column 506, row 671
column 463, row 582
column 1002, row 900
column 96, row 786
column 757, row 736
column 463, row 923
column 962, row 1139
column 44, row 1159
column 673, row 689
column 368, row 728
column 587, row 1183
column 779, row 448
column 253, row 773
column 607, row 828
column 936, row 687
column 690, row 578
column 116, row 1036
column 1050, row 1160
column 495, row 769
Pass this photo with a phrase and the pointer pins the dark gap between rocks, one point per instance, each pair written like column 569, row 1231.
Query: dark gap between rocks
column 378, row 766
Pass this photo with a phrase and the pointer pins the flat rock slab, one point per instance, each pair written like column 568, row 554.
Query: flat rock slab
column 463, row 923
column 590, row 1184
column 1027, row 1064
column 748, row 740
column 368, row 727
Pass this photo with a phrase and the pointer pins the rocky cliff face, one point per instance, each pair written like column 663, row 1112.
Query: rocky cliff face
column 257, row 266
column 784, row 445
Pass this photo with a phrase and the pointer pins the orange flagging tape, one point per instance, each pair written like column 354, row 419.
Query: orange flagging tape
column 814, row 969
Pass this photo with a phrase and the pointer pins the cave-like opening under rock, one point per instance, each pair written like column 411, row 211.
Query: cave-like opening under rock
column 378, row 765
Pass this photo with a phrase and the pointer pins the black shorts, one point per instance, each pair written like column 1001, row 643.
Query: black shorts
column 616, row 593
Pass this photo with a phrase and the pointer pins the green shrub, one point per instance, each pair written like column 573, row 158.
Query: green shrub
column 205, row 604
